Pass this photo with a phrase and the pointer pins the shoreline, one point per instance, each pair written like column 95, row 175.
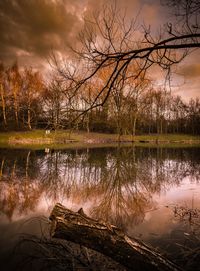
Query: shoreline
column 65, row 139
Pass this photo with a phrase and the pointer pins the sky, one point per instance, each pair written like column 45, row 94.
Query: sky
column 31, row 29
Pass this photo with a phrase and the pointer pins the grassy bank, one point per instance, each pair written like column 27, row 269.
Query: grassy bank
column 65, row 138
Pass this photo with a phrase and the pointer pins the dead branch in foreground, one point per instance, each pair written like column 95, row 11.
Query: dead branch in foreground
column 107, row 239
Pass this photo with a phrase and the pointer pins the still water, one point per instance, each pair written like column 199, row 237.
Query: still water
column 145, row 191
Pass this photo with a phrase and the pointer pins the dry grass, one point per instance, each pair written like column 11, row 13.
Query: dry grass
column 78, row 138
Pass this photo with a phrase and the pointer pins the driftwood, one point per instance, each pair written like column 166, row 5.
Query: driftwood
column 107, row 239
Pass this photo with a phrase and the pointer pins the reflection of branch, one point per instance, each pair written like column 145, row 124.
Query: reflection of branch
column 192, row 215
column 121, row 201
column 21, row 196
column 2, row 167
column 119, row 184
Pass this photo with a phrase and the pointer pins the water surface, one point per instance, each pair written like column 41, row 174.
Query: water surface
column 139, row 189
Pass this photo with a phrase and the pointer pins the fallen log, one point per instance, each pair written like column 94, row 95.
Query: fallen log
column 107, row 239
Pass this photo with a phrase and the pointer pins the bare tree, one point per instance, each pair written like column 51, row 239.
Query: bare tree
column 15, row 82
column 110, row 40
column 32, row 89
column 54, row 104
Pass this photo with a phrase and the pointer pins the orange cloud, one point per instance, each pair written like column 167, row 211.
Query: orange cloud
column 190, row 71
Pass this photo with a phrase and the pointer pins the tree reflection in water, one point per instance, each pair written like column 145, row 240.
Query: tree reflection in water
column 19, row 187
column 118, row 184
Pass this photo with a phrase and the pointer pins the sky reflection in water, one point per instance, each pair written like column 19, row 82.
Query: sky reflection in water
column 134, row 188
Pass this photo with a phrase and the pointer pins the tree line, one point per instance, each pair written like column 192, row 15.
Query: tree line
column 107, row 87
column 27, row 101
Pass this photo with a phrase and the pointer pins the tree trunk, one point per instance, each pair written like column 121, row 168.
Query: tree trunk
column 15, row 105
column 134, row 127
column 161, row 126
column 3, row 105
column 119, row 132
column 88, row 123
column 107, row 239
column 29, row 117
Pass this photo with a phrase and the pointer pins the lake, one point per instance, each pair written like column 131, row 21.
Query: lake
column 150, row 192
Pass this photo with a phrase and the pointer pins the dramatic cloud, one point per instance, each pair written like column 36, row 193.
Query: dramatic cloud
column 31, row 29
column 34, row 27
